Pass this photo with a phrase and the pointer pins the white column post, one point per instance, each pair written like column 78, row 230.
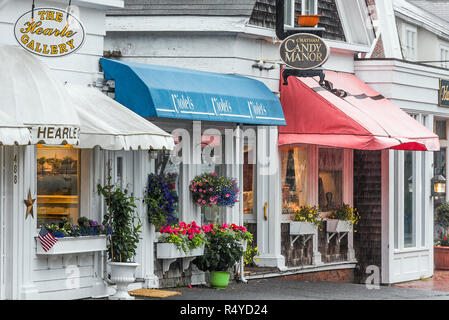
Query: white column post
column 25, row 160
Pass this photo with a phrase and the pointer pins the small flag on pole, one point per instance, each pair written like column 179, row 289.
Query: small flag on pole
column 47, row 239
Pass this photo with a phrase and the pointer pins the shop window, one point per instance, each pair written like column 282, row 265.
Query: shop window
column 309, row 7
column 409, row 190
column 440, row 129
column 330, row 178
column 58, row 184
column 248, row 181
column 294, row 178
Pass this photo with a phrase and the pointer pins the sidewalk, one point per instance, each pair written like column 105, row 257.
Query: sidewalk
column 439, row 282
column 280, row 289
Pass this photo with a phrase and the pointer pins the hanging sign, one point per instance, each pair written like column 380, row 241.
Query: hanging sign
column 443, row 100
column 51, row 33
column 304, row 51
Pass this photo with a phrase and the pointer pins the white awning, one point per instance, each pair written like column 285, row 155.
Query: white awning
column 112, row 126
column 33, row 98
column 11, row 132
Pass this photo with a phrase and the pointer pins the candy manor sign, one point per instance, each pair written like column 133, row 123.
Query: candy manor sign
column 304, row 51
column 443, row 99
column 52, row 32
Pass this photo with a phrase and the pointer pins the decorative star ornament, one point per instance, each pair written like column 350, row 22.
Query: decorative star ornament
column 29, row 203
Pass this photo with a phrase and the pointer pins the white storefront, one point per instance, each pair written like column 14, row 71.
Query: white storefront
column 96, row 143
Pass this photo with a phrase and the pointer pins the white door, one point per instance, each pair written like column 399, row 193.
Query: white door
column 407, row 222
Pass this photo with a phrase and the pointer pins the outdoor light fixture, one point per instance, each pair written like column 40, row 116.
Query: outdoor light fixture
column 438, row 186
column 153, row 153
column 410, row 184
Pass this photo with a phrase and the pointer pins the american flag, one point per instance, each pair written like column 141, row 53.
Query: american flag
column 47, row 239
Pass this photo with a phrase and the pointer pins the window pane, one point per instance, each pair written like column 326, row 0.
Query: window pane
column 248, row 181
column 58, row 175
column 309, row 7
column 294, row 178
column 288, row 10
column 440, row 129
column 330, row 178
column 409, row 210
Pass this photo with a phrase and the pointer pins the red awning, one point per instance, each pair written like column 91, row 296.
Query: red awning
column 360, row 118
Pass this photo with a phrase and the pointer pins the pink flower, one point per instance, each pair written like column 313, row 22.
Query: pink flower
column 194, row 190
column 228, row 195
column 201, row 190
column 210, row 189
column 204, row 201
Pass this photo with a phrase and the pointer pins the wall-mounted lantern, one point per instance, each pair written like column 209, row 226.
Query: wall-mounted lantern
column 153, row 153
column 438, row 186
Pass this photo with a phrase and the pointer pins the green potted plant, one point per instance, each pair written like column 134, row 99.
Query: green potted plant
column 123, row 240
column 224, row 248
column 441, row 247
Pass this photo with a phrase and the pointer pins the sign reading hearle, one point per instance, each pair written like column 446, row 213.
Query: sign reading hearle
column 304, row 51
column 52, row 33
column 443, row 100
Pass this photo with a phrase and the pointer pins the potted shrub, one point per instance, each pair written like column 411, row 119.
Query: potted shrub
column 306, row 221
column 224, row 248
column 124, row 238
column 441, row 248
column 162, row 200
column 343, row 219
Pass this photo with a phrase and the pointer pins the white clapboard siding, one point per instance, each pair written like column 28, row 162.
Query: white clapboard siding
column 64, row 284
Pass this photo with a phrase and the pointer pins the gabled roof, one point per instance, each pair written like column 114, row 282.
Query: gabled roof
column 185, row 7
column 439, row 8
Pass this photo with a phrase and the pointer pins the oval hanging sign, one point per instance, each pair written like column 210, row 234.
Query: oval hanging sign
column 304, row 51
column 52, row 32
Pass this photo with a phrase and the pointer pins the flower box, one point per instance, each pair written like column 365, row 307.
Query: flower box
column 308, row 20
column 170, row 251
column 334, row 225
column 299, row 228
column 74, row 245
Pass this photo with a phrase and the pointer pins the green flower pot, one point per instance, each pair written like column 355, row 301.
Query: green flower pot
column 219, row 279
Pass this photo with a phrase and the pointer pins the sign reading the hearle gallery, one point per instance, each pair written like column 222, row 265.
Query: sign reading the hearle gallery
column 443, row 100
column 304, row 51
column 52, row 32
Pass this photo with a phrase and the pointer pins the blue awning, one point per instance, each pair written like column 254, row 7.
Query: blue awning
column 170, row 92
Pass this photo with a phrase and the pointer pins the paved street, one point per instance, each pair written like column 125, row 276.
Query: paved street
column 279, row 289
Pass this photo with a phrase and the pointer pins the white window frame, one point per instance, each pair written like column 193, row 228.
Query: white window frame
column 444, row 56
column 410, row 52
column 289, row 21
column 315, row 8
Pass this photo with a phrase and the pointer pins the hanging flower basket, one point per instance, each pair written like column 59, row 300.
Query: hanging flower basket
column 209, row 190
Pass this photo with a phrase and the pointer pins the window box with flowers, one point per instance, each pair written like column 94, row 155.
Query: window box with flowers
column 87, row 236
column 306, row 221
column 342, row 220
column 184, row 241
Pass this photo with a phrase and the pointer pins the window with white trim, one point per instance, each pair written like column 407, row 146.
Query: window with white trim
column 444, row 56
column 410, row 42
column 309, row 7
column 289, row 13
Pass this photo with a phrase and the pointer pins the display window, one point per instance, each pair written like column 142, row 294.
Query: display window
column 248, row 181
column 58, row 184
column 330, row 178
column 294, row 177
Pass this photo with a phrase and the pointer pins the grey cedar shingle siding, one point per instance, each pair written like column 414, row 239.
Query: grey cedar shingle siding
column 264, row 15
column 185, row 7
column 260, row 12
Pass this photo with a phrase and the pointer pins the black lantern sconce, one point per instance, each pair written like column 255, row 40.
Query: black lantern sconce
column 438, row 186
column 153, row 153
